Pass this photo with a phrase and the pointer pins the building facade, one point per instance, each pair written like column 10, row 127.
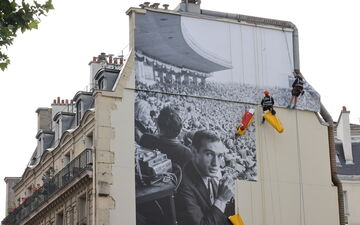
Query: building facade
column 348, row 164
column 90, row 167
column 57, row 186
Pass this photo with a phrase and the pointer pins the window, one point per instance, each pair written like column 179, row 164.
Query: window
column 59, row 131
column 102, row 83
column 82, row 210
column 66, row 159
column 60, row 218
column 89, row 141
column 71, row 215
column 346, row 206
column 78, row 112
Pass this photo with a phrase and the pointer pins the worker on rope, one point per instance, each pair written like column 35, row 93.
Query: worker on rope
column 267, row 103
column 298, row 88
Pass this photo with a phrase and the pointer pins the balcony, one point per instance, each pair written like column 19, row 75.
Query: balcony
column 71, row 171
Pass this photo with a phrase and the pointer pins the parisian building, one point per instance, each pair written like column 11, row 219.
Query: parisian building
column 173, row 133
column 348, row 164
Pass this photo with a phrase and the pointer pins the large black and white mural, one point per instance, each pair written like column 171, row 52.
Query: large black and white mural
column 195, row 78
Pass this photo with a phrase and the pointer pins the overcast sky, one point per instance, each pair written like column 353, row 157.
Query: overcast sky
column 53, row 60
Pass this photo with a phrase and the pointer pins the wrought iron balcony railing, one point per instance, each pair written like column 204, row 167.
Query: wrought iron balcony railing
column 72, row 170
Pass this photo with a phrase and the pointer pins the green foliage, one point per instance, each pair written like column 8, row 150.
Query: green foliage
column 15, row 17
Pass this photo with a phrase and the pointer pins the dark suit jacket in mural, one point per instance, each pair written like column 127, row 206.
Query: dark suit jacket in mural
column 175, row 151
column 193, row 205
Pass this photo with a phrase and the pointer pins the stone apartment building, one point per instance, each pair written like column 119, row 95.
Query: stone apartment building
column 348, row 164
column 57, row 185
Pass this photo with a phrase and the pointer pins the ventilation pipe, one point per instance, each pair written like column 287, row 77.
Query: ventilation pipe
column 166, row 6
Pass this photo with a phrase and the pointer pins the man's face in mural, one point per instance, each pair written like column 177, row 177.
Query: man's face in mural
column 209, row 157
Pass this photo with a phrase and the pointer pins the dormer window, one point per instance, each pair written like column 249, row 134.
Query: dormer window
column 62, row 121
column 102, row 83
column 83, row 102
column 58, row 131
column 105, row 78
column 78, row 112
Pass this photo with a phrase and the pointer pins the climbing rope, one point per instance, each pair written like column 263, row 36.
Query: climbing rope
column 270, row 182
column 256, row 50
column 291, row 67
column 301, row 192
column 242, row 55
column 263, row 180
column 278, row 181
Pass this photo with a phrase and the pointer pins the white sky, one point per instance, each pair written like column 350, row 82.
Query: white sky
column 53, row 60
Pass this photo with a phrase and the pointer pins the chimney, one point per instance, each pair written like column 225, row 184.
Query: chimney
column 343, row 133
column 10, row 194
column 95, row 66
column 190, row 6
column 121, row 58
column 44, row 119
column 44, row 134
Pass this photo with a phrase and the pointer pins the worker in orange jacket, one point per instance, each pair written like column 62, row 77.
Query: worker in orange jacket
column 268, row 104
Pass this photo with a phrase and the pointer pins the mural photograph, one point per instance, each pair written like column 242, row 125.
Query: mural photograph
column 175, row 53
column 187, row 148
column 191, row 92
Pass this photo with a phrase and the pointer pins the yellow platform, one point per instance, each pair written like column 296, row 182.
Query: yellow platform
column 274, row 121
column 236, row 219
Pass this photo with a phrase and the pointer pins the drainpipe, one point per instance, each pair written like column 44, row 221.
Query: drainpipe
column 334, row 177
column 324, row 113
column 295, row 36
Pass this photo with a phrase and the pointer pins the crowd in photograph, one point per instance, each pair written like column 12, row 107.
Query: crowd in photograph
column 148, row 78
column 236, row 92
column 196, row 114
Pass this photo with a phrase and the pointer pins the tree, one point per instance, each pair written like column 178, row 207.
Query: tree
column 16, row 17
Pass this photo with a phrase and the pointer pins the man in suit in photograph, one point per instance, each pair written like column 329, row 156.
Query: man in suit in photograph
column 203, row 195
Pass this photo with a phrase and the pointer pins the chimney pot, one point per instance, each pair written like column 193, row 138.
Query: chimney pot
column 110, row 60
column 146, row 4
column 54, row 102
column 155, row 5
column 62, row 101
column 58, row 100
column 102, row 57
column 343, row 131
column 94, row 59
column 67, row 101
column 166, row 6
